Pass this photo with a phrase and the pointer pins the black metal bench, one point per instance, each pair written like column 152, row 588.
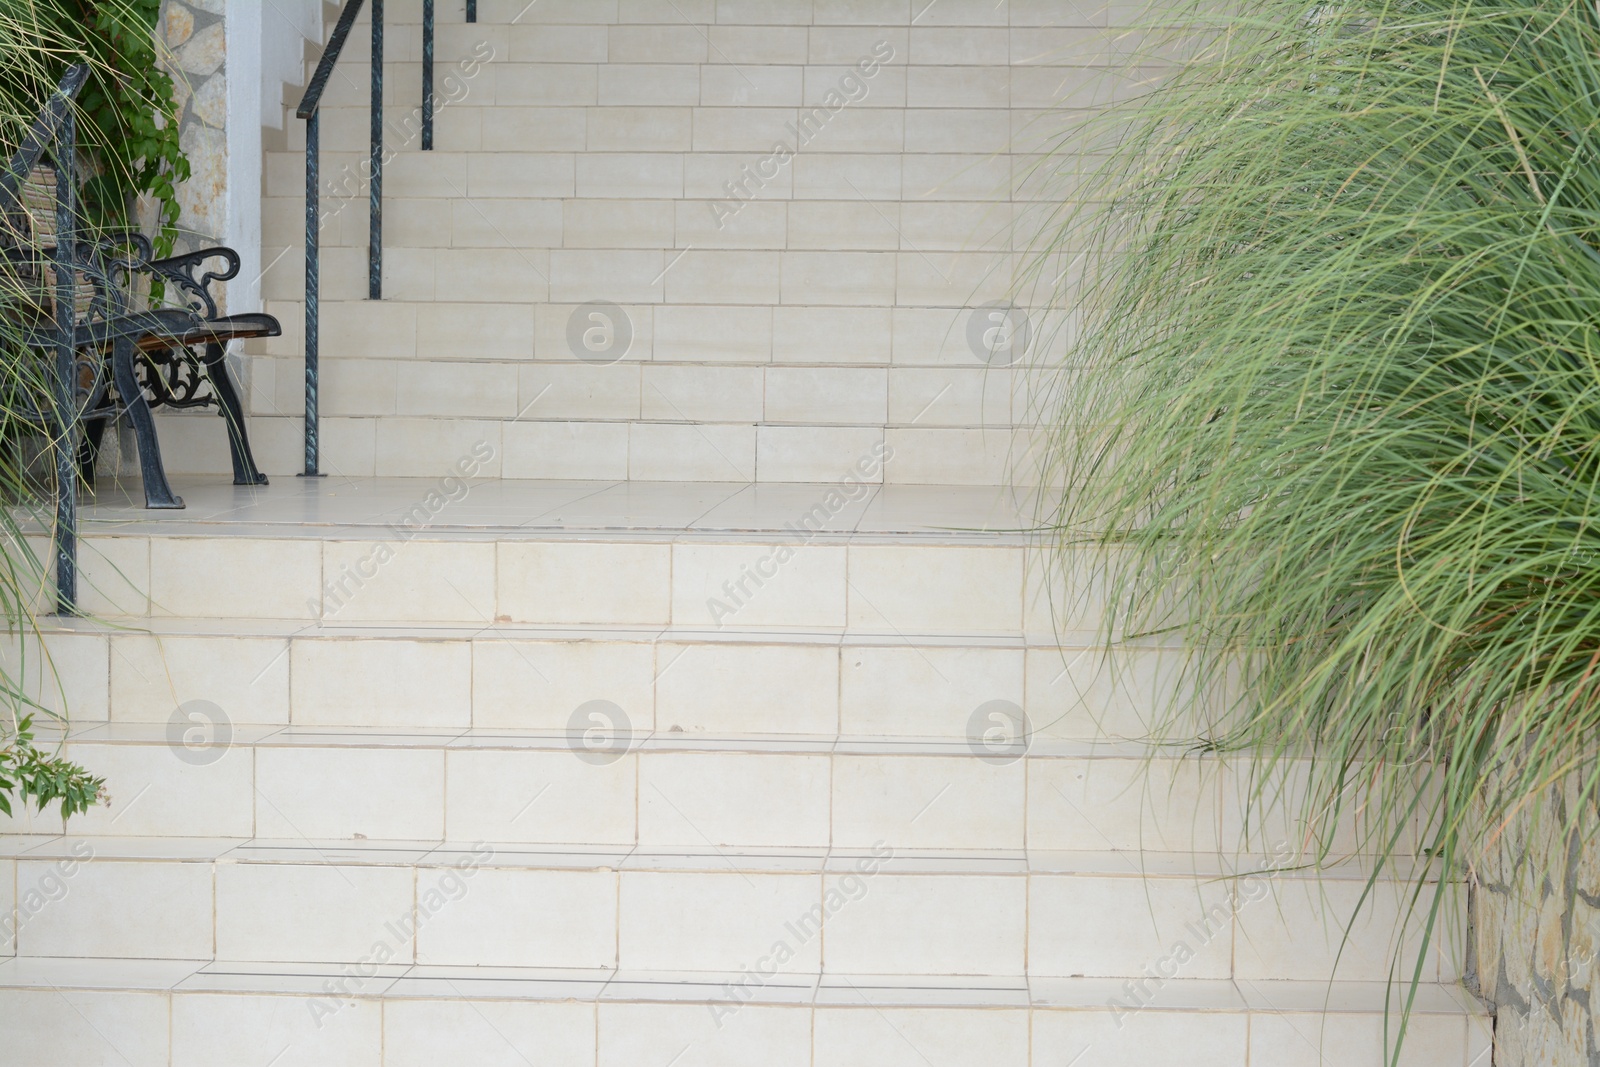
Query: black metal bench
column 109, row 359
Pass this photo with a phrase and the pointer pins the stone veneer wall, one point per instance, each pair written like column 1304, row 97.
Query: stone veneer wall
column 1535, row 938
column 194, row 36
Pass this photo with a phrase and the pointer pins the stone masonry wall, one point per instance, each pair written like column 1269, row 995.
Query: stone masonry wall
column 193, row 33
column 1536, row 935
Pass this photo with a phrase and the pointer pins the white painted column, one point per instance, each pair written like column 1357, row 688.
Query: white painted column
column 243, row 28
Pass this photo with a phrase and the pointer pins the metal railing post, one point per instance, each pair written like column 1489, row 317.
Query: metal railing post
column 375, row 186
column 427, row 75
column 308, row 110
column 313, row 285
column 65, row 384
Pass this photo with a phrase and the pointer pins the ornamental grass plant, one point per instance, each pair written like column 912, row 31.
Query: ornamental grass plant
column 127, row 136
column 1330, row 416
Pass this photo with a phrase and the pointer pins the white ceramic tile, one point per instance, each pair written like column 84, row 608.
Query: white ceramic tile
column 763, row 585
column 576, row 391
column 495, row 795
column 720, row 921
column 519, row 918
column 336, row 793
column 923, row 690
column 641, row 1033
column 1122, row 804
column 83, row 1028
column 566, row 450
column 352, row 682
column 114, row 575
column 116, row 908
column 1117, row 1039
column 202, row 789
column 926, row 924
column 722, row 688
column 832, row 335
column 574, row 582
column 1296, row 1039
column 1118, row 927
column 1301, row 928
column 299, row 1031
column 151, row 676
column 11, row 917
column 820, row 454
column 1088, row 693
column 927, row 802
column 66, row 673
column 868, row 1036
column 695, row 800
column 702, row 394
column 919, row 590
column 490, row 1033
column 314, row 912
column 218, row 577
column 402, row 579
column 521, row 684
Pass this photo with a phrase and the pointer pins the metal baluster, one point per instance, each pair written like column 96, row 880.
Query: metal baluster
column 375, row 188
column 472, row 10
column 427, row 75
column 66, row 399
column 313, row 282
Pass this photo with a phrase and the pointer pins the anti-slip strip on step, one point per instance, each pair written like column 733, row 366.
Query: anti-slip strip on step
column 646, row 743
column 827, row 990
column 371, row 532
column 522, row 508
column 1071, row 643
column 629, row 858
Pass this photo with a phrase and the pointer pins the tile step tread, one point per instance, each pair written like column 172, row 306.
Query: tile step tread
column 773, row 860
column 523, row 509
column 397, row 981
column 1073, row 641
column 651, row 741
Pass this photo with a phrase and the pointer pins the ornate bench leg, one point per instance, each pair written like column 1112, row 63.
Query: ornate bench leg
column 157, row 493
column 244, row 464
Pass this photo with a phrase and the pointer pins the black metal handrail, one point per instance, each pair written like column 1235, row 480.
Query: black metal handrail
column 308, row 110
column 55, row 131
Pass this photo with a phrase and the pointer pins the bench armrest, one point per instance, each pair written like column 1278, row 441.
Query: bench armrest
column 185, row 272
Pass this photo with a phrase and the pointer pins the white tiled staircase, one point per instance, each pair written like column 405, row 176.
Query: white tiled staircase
column 378, row 834
column 701, row 750
column 787, row 313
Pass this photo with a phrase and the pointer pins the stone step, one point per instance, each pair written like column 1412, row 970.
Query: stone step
column 265, row 672
column 939, row 225
column 819, row 558
column 518, row 171
column 674, row 273
column 398, row 446
column 924, row 353
column 601, row 779
column 559, row 388
column 188, row 1013
column 841, row 911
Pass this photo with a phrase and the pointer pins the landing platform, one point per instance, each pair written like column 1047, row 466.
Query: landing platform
column 832, row 511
